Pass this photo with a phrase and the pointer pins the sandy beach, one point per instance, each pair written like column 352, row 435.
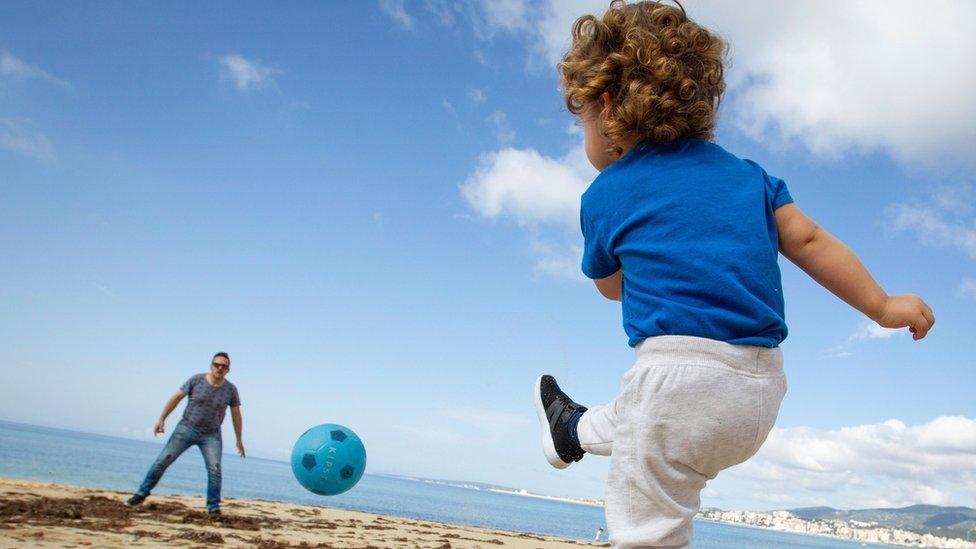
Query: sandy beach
column 36, row 514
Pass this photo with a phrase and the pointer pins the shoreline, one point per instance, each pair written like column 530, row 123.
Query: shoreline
column 527, row 494
column 40, row 514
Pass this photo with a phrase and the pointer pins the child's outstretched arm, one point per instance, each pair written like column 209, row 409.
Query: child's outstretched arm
column 832, row 264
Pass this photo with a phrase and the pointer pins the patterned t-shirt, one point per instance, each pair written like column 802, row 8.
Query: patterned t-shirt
column 207, row 404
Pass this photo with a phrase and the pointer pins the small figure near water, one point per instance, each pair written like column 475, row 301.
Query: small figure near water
column 210, row 395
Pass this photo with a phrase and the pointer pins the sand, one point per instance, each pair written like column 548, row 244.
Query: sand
column 37, row 514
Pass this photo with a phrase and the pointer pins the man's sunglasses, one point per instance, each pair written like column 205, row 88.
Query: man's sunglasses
column 221, row 366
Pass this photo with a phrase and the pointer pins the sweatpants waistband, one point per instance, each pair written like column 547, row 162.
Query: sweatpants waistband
column 700, row 351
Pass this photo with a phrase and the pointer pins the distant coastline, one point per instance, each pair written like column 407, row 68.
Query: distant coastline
column 526, row 493
column 851, row 530
column 505, row 490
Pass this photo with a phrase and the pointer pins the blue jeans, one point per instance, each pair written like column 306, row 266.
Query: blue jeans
column 182, row 438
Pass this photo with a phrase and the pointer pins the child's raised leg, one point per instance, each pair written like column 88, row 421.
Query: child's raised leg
column 688, row 409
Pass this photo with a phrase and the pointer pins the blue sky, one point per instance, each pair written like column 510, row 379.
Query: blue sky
column 372, row 208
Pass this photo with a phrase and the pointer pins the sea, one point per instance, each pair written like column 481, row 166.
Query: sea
column 55, row 455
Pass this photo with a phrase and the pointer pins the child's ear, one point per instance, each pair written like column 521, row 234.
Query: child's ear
column 605, row 100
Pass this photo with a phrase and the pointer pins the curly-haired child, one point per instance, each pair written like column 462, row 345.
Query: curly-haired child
column 685, row 235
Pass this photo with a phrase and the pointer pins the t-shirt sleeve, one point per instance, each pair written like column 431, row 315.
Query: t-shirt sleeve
column 188, row 385
column 776, row 191
column 598, row 260
column 779, row 195
column 235, row 399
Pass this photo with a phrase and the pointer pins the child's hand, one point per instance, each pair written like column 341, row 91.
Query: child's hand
column 908, row 310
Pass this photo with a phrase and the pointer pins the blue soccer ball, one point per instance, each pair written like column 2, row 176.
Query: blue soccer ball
column 328, row 459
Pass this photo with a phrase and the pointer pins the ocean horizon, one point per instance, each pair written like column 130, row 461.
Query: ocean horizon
column 48, row 454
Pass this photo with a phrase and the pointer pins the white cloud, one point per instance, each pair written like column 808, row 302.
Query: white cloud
column 19, row 139
column 478, row 95
column 529, row 188
column 556, row 23
column 839, row 351
column 504, row 132
column 871, row 330
column 506, row 14
column 944, row 221
column 558, row 259
column 887, row 463
column 967, row 287
column 934, row 226
column 246, row 74
column 444, row 10
column 866, row 77
column 480, row 57
column 866, row 330
column 959, row 200
column 449, row 107
column 537, row 192
column 12, row 68
column 395, row 9
column 485, row 17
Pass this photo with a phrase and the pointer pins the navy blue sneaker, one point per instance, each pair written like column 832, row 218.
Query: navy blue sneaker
column 135, row 501
column 555, row 410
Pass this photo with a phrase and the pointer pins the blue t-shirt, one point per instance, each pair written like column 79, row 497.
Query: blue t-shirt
column 692, row 226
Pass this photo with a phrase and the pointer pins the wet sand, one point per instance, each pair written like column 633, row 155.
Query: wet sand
column 36, row 514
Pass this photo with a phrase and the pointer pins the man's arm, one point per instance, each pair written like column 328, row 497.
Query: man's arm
column 833, row 265
column 611, row 286
column 168, row 408
column 235, row 415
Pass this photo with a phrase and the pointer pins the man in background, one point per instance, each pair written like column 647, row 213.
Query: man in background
column 210, row 395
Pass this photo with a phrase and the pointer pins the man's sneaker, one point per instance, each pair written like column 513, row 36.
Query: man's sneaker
column 135, row 500
column 555, row 410
column 215, row 514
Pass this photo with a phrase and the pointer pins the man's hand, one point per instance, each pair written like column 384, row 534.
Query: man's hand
column 240, row 448
column 167, row 409
column 908, row 310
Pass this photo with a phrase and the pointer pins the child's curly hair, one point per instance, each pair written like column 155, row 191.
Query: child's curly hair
column 664, row 72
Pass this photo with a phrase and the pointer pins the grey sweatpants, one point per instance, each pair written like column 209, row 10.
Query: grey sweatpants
column 688, row 408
